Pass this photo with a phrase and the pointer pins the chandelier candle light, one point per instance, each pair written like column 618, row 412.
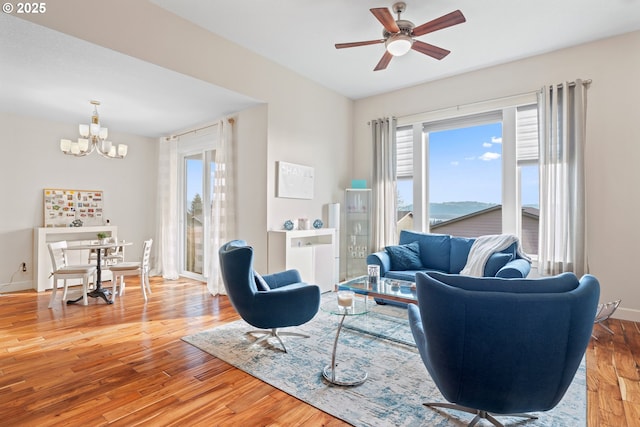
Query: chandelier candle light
column 93, row 137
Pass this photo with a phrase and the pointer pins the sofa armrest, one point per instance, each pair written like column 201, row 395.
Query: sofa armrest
column 282, row 278
column 382, row 259
column 515, row 269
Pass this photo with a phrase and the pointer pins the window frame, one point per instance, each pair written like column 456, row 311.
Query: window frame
column 205, row 145
column 506, row 110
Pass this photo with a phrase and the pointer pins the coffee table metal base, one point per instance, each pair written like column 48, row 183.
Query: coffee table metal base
column 329, row 372
column 330, row 375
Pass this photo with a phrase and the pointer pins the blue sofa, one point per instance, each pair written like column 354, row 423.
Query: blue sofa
column 442, row 253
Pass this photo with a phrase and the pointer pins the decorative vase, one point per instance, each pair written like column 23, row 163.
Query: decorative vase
column 304, row 224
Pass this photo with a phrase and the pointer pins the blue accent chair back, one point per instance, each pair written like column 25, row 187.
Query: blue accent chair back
column 283, row 300
column 502, row 346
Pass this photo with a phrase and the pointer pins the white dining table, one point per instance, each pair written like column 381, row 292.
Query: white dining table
column 99, row 291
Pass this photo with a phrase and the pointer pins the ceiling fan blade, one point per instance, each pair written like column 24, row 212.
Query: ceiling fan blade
column 383, row 15
column 429, row 49
column 448, row 20
column 356, row 44
column 384, row 61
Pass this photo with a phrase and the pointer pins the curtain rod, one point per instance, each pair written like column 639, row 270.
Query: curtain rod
column 585, row 82
column 456, row 108
column 231, row 121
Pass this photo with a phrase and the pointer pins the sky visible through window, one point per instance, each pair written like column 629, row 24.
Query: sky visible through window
column 465, row 165
column 194, row 179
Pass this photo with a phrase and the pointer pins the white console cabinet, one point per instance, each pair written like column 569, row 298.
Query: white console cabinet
column 73, row 235
column 312, row 252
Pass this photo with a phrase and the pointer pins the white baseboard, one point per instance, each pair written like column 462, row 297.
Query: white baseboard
column 23, row 285
column 627, row 314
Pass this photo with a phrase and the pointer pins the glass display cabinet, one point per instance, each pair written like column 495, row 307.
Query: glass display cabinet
column 357, row 230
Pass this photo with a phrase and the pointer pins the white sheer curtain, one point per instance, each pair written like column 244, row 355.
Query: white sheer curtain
column 383, row 132
column 562, row 240
column 223, row 204
column 166, row 244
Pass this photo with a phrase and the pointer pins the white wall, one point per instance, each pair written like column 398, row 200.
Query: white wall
column 301, row 122
column 251, row 174
column 613, row 141
column 33, row 161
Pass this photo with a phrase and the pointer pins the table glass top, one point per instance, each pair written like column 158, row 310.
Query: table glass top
column 395, row 289
column 332, row 306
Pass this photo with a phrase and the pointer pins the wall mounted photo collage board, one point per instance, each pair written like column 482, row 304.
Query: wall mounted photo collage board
column 73, row 208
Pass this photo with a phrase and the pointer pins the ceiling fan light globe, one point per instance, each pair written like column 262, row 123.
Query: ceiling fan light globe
column 399, row 44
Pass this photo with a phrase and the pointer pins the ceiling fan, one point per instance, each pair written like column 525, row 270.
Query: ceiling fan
column 399, row 35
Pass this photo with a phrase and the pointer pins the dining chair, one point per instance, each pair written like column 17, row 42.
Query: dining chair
column 63, row 271
column 122, row 269
column 112, row 256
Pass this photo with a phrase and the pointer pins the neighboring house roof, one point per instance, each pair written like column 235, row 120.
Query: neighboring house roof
column 197, row 218
column 530, row 212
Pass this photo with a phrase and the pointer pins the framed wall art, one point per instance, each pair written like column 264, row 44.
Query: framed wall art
column 73, row 208
column 295, row 181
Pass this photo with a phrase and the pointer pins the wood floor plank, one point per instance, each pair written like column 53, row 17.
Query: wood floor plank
column 125, row 364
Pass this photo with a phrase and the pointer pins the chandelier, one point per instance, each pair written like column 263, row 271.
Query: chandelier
column 93, row 138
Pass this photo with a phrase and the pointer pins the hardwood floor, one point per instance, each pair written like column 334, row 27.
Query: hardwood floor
column 125, row 365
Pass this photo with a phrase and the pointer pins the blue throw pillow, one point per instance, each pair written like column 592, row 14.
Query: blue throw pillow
column 405, row 257
column 434, row 248
column 261, row 284
column 495, row 262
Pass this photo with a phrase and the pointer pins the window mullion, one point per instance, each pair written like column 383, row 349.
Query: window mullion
column 510, row 207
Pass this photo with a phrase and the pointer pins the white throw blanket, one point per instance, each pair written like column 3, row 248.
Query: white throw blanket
column 485, row 246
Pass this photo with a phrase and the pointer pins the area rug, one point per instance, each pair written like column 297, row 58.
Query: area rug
column 397, row 384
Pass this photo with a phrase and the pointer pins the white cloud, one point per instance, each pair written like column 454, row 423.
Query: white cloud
column 455, row 163
column 496, row 140
column 486, row 144
column 488, row 156
column 470, row 158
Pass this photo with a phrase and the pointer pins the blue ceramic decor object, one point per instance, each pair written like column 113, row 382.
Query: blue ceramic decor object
column 317, row 223
column 288, row 225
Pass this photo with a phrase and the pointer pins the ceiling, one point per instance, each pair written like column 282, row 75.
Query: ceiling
column 300, row 34
column 48, row 74
column 45, row 73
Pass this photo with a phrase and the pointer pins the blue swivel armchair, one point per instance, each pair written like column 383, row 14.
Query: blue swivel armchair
column 270, row 302
column 497, row 346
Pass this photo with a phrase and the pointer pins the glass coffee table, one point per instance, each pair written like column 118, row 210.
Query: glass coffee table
column 385, row 289
column 345, row 305
column 383, row 321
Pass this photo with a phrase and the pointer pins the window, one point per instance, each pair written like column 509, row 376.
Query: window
column 404, row 173
column 197, row 181
column 528, row 174
column 470, row 175
column 465, row 182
